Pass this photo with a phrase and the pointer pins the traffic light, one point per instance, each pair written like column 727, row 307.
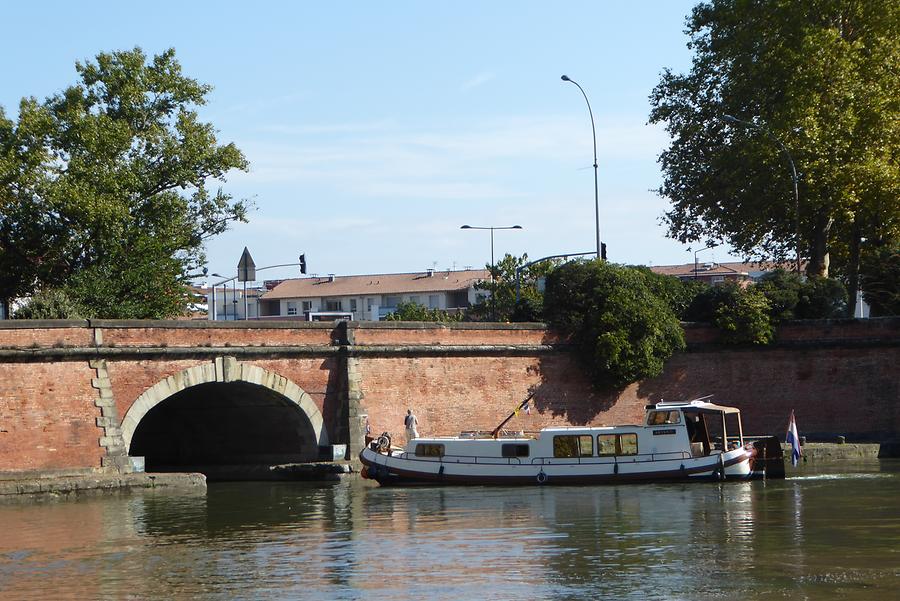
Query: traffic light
column 603, row 250
column 303, row 264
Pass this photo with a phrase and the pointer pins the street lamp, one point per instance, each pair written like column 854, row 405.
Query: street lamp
column 492, row 228
column 594, row 134
column 790, row 159
column 696, row 264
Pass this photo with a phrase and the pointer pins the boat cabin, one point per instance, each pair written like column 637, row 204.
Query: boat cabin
column 670, row 430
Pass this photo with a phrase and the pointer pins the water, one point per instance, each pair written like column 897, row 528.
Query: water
column 829, row 534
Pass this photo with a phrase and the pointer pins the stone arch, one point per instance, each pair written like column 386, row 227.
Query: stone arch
column 222, row 369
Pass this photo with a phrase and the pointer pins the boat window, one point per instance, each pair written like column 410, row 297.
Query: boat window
column 658, row 418
column 573, row 446
column 606, row 444
column 429, row 450
column 628, row 444
column 514, row 450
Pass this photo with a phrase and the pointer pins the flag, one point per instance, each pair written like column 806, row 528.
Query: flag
column 793, row 439
column 528, row 408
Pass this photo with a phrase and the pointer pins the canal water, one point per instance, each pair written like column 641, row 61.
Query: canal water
column 825, row 533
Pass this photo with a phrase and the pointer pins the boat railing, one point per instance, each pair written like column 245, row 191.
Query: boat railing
column 487, row 434
column 591, row 460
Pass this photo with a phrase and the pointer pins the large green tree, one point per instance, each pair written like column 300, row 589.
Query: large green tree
column 105, row 188
column 821, row 77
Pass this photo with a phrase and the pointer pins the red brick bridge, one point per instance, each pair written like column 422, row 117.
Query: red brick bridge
column 80, row 396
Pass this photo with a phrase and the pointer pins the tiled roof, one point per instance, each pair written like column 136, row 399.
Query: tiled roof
column 724, row 269
column 385, row 283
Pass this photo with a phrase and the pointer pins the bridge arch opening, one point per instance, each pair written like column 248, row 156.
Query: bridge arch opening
column 227, row 420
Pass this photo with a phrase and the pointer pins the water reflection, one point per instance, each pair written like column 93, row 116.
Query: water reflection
column 819, row 536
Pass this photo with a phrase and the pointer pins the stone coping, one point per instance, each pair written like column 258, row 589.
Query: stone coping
column 50, row 486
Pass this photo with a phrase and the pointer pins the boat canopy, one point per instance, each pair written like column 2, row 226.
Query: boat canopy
column 696, row 407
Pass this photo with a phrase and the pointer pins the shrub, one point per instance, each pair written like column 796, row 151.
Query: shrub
column 417, row 312
column 821, row 298
column 52, row 303
column 782, row 289
column 744, row 318
column 623, row 331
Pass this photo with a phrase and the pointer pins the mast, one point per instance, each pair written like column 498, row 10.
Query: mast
column 496, row 431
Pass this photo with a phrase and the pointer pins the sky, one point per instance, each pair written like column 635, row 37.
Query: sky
column 374, row 130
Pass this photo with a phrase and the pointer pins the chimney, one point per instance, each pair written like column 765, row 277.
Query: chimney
column 430, row 272
column 330, row 277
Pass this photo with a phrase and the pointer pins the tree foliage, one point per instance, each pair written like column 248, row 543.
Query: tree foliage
column 50, row 304
column 623, row 331
column 881, row 280
column 417, row 312
column 743, row 317
column 501, row 304
column 822, row 78
column 105, row 188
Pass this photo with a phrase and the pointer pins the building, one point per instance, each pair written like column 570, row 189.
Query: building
column 370, row 297
column 718, row 273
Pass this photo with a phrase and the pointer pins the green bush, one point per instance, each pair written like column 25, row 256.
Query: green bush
column 821, row 298
column 417, row 312
column 880, row 279
column 622, row 330
column 52, row 303
column 782, row 289
column 744, row 318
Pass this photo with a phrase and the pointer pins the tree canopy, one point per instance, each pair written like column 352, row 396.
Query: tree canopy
column 820, row 77
column 502, row 305
column 623, row 330
column 105, row 188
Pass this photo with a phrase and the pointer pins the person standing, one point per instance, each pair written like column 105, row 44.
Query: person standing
column 412, row 425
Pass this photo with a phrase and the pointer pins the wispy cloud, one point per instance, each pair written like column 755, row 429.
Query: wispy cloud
column 480, row 79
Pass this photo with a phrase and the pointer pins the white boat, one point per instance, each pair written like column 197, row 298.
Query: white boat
column 673, row 443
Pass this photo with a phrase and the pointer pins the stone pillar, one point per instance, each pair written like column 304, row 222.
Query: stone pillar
column 355, row 418
column 116, row 458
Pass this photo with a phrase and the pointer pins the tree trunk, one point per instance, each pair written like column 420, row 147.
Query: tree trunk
column 818, row 262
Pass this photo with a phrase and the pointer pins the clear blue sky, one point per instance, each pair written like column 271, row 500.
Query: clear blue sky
column 374, row 130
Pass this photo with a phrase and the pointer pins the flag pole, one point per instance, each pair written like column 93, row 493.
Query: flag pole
column 496, row 431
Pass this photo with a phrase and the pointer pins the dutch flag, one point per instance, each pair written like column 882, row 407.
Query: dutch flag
column 793, row 439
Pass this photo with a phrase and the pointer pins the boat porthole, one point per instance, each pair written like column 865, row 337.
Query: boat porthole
column 541, row 477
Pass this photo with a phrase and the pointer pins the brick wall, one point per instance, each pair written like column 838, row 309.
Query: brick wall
column 840, row 377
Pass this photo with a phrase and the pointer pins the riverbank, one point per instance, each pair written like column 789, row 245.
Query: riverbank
column 50, row 486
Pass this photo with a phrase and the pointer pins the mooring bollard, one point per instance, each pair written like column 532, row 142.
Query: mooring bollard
column 841, row 440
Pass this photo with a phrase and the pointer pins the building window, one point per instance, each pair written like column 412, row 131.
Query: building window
column 353, row 305
column 390, row 301
column 307, row 306
column 292, row 307
column 333, row 305
column 434, row 301
column 370, row 302
column 573, row 446
column 416, row 300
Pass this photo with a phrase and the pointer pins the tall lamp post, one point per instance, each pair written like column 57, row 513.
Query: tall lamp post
column 492, row 228
column 594, row 136
column 696, row 263
column 780, row 144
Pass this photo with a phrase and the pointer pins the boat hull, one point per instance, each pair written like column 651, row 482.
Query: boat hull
column 398, row 468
